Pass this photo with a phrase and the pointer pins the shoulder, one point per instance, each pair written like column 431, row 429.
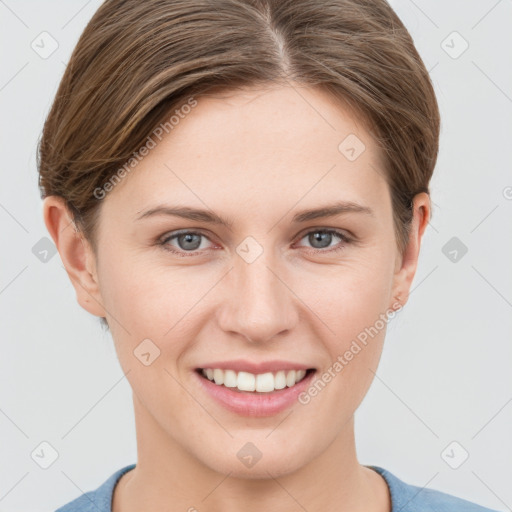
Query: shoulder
column 412, row 498
column 98, row 500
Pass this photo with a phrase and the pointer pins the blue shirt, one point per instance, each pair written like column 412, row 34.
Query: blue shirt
column 404, row 497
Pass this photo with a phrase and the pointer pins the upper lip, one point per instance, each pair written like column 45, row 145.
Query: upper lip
column 243, row 365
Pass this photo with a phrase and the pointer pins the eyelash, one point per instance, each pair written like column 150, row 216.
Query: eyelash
column 344, row 238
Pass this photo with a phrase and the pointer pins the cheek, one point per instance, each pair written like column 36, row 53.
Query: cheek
column 352, row 302
column 159, row 303
column 138, row 294
column 356, row 315
column 349, row 297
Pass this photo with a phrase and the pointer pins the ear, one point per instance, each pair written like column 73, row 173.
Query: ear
column 75, row 252
column 405, row 268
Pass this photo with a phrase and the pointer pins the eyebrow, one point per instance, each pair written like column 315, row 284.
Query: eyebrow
column 185, row 212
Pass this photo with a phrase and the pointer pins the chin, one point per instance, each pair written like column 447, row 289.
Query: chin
column 239, row 464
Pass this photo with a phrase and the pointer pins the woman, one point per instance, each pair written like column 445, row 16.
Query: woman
column 238, row 189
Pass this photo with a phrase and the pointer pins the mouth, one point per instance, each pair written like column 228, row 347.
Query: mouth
column 255, row 384
column 255, row 395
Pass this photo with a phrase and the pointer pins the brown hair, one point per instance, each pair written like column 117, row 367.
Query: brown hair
column 135, row 62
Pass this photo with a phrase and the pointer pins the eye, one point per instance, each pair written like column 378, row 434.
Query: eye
column 189, row 243
column 320, row 239
column 186, row 242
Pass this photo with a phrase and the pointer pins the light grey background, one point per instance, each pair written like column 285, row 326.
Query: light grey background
column 445, row 374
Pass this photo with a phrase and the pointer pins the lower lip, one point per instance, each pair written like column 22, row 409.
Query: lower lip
column 253, row 404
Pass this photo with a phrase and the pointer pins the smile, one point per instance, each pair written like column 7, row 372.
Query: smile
column 261, row 383
column 238, row 392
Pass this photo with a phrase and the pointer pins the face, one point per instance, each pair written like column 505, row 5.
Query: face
column 186, row 292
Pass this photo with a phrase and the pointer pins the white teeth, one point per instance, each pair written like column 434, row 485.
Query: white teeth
column 290, row 378
column 263, row 382
column 218, row 376
column 280, row 380
column 246, row 381
column 230, row 379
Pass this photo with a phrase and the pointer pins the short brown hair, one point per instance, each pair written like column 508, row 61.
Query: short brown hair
column 137, row 61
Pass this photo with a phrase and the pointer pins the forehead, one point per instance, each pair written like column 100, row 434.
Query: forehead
column 258, row 146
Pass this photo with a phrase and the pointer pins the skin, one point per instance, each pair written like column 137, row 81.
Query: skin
column 256, row 157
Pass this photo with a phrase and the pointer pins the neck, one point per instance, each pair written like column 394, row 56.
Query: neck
column 166, row 474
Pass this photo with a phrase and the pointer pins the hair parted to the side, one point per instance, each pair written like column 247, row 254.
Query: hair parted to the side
column 136, row 62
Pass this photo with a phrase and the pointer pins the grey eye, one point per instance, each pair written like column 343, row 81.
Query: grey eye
column 189, row 241
column 184, row 242
column 320, row 239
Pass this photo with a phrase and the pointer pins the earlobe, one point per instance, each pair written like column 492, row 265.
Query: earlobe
column 409, row 261
column 75, row 252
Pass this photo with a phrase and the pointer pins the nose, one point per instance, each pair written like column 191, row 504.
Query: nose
column 258, row 302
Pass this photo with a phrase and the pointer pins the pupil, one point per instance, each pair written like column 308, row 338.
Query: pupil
column 188, row 239
column 319, row 236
